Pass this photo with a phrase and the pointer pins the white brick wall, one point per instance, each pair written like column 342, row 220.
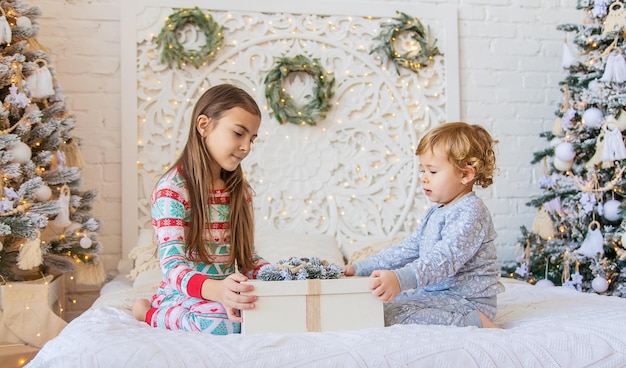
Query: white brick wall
column 510, row 55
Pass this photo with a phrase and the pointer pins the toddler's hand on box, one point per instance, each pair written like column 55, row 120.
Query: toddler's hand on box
column 384, row 285
column 348, row 270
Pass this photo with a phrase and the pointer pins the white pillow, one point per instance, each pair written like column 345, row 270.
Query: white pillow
column 275, row 245
column 151, row 277
column 364, row 247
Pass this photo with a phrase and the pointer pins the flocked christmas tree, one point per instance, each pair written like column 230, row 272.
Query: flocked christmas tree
column 45, row 221
column 578, row 238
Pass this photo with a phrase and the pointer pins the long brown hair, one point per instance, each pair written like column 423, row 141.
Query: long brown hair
column 194, row 163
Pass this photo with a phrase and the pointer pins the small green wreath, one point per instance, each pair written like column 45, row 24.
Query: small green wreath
column 406, row 23
column 173, row 52
column 284, row 107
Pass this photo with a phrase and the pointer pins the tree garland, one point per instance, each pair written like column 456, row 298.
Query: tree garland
column 406, row 23
column 173, row 52
column 284, row 107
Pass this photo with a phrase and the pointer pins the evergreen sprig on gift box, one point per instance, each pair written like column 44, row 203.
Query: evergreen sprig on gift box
column 295, row 268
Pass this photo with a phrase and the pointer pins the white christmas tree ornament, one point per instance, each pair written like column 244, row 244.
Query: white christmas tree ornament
column 615, row 19
column 593, row 117
column 30, row 255
column 568, row 58
column 5, row 28
column 594, row 241
column 63, row 217
column 40, row 81
column 615, row 69
column 613, row 149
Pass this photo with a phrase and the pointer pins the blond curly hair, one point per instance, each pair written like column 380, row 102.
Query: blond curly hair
column 464, row 144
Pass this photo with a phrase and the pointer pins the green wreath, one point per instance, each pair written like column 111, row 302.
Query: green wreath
column 173, row 52
column 284, row 107
column 406, row 23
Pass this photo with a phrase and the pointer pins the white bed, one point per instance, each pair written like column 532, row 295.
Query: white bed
column 543, row 327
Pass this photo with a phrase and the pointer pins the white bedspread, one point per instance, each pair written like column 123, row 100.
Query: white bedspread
column 544, row 327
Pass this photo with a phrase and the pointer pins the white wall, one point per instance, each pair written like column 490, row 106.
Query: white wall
column 510, row 54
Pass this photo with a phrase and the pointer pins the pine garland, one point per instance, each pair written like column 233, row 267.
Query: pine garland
column 175, row 53
column 295, row 268
column 405, row 23
column 284, row 107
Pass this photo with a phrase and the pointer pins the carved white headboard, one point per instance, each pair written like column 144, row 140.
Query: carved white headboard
column 354, row 174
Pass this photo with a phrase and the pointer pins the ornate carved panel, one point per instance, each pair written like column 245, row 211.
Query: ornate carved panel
column 354, row 174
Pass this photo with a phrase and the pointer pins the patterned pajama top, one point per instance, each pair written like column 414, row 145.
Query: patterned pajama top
column 451, row 253
column 178, row 303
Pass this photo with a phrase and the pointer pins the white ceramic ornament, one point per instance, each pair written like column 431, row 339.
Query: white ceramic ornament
column 611, row 210
column 85, row 242
column 562, row 165
column 599, row 284
column 544, row 283
column 624, row 239
column 43, row 193
column 21, row 152
column 564, row 151
column 593, row 117
column 1, row 246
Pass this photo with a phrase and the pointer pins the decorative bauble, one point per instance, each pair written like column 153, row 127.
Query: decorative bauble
column 85, row 242
column 544, row 283
column 599, row 284
column 43, row 193
column 21, row 152
column 624, row 239
column 564, row 151
column 1, row 246
column 23, row 22
column 562, row 165
column 593, row 117
column 611, row 210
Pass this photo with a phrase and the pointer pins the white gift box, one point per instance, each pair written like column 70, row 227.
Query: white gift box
column 312, row 306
